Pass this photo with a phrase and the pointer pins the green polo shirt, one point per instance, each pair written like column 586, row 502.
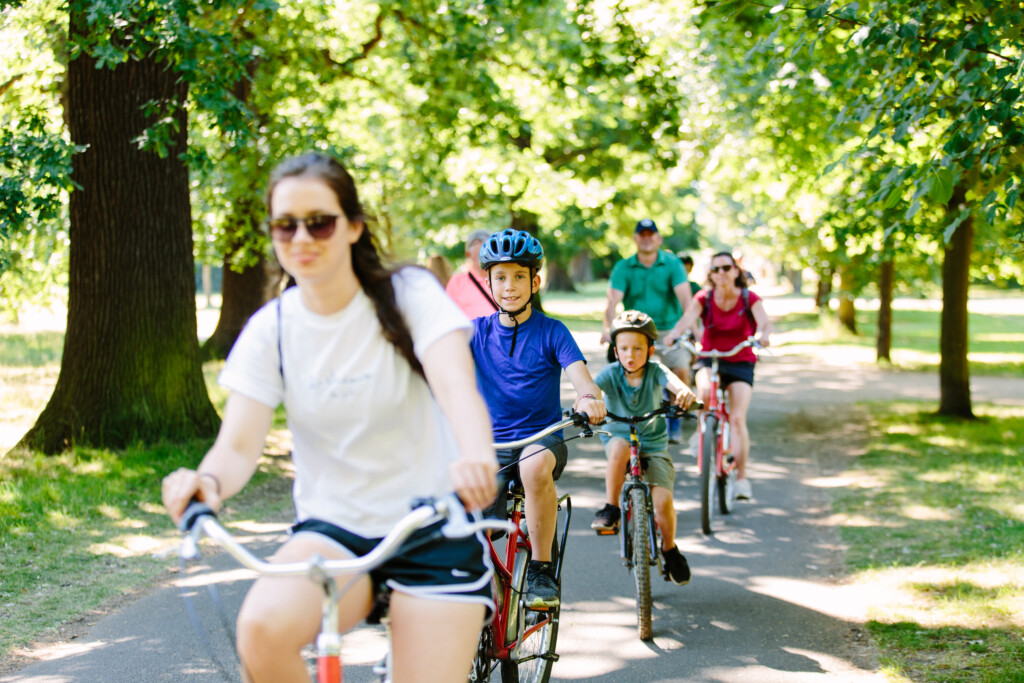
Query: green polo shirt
column 651, row 290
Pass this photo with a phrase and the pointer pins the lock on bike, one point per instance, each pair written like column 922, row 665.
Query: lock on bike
column 715, row 461
column 519, row 642
column 199, row 520
column 640, row 540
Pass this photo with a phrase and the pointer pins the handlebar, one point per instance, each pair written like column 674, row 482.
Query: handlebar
column 712, row 353
column 199, row 519
column 668, row 409
column 572, row 419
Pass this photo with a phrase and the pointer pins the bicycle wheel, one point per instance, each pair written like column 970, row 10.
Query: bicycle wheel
column 641, row 543
column 726, row 492
column 540, row 634
column 708, row 481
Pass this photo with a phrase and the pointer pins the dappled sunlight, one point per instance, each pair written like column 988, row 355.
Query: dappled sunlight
column 965, row 597
column 927, row 514
column 131, row 545
column 844, row 601
column 109, row 511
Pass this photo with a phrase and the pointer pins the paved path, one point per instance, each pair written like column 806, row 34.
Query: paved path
column 767, row 602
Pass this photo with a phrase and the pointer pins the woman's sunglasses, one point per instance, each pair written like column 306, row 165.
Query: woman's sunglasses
column 283, row 228
column 721, row 269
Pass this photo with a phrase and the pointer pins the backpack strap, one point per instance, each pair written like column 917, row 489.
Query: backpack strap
column 483, row 292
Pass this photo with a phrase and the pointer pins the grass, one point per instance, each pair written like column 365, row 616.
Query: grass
column 939, row 519
column 81, row 529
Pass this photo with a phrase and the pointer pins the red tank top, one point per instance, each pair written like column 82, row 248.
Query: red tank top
column 725, row 329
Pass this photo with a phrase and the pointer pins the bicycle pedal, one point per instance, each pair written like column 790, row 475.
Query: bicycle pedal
column 607, row 532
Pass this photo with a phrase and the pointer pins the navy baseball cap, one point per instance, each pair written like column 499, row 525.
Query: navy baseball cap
column 645, row 224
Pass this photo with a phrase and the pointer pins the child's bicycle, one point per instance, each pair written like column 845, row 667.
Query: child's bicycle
column 640, row 542
column 716, row 464
column 520, row 642
column 199, row 520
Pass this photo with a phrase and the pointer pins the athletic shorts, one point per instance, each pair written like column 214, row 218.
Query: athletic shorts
column 730, row 371
column 657, row 467
column 677, row 356
column 452, row 569
column 553, row 442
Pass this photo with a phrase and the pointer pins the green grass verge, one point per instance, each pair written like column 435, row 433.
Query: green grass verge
column 940, row 512
column 81, row 529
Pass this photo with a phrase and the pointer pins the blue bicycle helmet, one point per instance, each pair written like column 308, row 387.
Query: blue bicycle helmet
column 511, row 246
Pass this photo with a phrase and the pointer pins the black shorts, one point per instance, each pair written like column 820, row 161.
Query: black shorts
column 730, row 371
column 427, row 566
column 552, row 442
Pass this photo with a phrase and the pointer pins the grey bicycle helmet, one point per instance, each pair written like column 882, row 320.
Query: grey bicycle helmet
column 511, row 246
column 634, row 321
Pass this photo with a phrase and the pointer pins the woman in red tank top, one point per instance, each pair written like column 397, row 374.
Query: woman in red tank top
column 730, row 313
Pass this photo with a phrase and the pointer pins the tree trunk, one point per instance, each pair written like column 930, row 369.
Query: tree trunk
column 581, row 268
column 954, row 370
column 559, row 279
column 242, row 294
column 823, row 294
column 885, row 283
column 131, row 369
column 847, row 313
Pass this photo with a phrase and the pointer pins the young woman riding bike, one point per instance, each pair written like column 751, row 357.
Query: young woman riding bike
column 730, row 313
column 350, row 352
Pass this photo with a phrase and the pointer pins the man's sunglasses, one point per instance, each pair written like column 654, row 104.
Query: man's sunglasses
column 320, row 227
column 721, row 269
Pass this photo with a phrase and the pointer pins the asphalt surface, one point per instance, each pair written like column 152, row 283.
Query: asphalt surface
column 767, row 602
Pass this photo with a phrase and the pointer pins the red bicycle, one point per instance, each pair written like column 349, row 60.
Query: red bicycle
column 520, row 641
column 714, row 458
column 199, row 520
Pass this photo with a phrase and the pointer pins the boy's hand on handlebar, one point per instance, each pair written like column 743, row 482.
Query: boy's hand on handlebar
column 181, row 486
column 684, row 399
column 475, row 481
column 593, row 407
column 763, row 341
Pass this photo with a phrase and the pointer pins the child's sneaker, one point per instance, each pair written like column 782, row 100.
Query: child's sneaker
column 541, row 589
column 675, row 568
column 743, row 491
column 606, row 520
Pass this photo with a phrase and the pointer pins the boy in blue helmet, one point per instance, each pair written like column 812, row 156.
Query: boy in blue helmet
column 520, row 354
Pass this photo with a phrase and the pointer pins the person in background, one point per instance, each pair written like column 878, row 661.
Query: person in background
column 654, row 282
column 688, row 265
column 468, row 287
column 731, row 313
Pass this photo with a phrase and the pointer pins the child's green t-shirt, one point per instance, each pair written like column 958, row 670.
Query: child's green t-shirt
column 622, row 399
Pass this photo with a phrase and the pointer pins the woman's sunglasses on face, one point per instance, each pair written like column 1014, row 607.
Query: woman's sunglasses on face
column 319, row 227
column 721, row 269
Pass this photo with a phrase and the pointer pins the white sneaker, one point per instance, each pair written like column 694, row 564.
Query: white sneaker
column 743, row 491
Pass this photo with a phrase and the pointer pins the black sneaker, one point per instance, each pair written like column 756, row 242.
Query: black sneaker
column 675, row 568
column 541, row 589
column 606, row 519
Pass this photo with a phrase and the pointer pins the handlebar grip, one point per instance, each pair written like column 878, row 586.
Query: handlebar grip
column 194, row 511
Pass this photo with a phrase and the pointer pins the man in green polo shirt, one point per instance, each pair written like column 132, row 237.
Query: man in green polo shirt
column 654, row 282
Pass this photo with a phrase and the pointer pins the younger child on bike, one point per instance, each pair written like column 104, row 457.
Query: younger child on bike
column 520, row 354
column 633, row 386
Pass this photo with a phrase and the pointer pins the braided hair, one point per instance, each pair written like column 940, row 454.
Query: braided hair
column 374, row 277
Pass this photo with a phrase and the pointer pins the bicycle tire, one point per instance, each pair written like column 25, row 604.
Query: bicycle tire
column 727, row 492
column 708, row 482
column 641, row 543
column 535, row 669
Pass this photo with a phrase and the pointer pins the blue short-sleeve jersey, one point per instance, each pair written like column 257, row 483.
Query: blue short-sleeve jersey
column 625, row 400
column 522, row 392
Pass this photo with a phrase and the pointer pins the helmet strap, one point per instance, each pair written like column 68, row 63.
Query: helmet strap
column 512, row 314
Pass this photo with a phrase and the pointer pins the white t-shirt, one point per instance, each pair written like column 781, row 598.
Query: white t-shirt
column 368, row 436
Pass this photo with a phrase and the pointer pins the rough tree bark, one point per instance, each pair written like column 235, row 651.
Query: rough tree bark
column 131, row 369
column 883, row 346
column 954, row 370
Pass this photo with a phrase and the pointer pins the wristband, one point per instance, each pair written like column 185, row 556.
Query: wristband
column 216, row 481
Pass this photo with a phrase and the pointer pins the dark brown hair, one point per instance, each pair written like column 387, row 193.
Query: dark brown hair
column 741, row 275
column 373, row 275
